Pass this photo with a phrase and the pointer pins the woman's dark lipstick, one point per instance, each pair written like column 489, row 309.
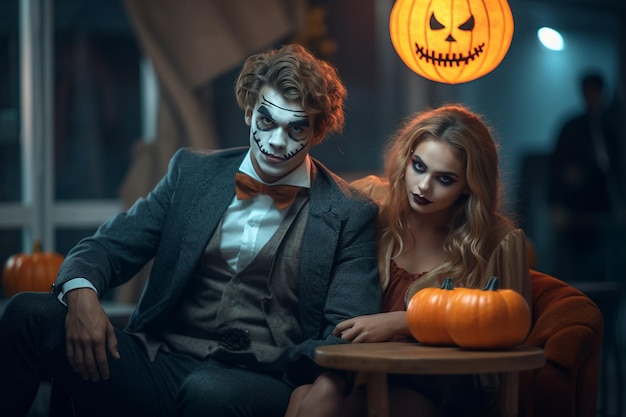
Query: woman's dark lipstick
column 422, row 201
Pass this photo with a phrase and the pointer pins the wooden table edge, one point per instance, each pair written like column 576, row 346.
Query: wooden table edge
column 415, row 358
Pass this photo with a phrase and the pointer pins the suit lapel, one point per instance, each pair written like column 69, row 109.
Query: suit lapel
column 322, row 226
column 210, row 199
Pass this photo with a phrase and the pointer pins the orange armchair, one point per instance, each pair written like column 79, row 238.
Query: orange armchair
column 569, row 327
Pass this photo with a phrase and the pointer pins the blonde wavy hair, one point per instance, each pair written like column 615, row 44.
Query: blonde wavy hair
column 474, row 216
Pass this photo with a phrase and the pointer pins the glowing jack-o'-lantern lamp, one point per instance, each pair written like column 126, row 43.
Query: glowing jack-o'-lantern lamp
column 451, row 41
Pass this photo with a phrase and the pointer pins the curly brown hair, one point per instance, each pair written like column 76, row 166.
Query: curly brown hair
column 297, row 75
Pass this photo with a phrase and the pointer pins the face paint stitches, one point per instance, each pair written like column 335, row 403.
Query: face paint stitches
column 280, row 135
column 296, row 130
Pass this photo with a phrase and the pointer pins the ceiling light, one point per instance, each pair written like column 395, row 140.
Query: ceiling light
column 551, row 39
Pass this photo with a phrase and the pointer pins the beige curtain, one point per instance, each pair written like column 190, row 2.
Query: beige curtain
column 190, row 43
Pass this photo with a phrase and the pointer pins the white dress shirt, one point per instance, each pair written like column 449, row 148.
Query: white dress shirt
column 247, row 225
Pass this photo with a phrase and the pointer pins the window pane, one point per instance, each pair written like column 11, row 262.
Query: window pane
column 66, row 238
column 96, row 98
column 10, row 160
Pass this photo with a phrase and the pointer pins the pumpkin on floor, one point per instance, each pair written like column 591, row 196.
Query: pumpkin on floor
column 36, row 271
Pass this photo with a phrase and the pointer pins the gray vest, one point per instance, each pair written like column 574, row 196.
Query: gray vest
column 260, row 300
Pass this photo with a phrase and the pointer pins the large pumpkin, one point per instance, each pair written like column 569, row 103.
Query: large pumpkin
column 426, row 314
column 488, row 318
column 30, row 272
column 452, row 41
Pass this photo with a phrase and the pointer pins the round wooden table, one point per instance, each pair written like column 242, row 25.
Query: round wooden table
column 379, row 359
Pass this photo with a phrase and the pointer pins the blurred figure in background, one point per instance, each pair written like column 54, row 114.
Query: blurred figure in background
column 584, row 191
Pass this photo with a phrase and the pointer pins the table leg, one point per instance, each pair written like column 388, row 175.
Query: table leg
column 510, row 396
column 377, row 395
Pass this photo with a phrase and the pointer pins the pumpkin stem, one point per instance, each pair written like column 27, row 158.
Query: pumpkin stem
column 447, row 284
column 37, row 246
column 492, row 284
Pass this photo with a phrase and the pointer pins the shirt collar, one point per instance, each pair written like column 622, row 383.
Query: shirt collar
column 300, row 177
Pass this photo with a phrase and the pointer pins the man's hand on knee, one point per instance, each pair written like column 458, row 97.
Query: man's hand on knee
column 89, row 333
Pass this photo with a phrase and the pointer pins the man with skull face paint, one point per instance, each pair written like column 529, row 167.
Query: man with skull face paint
column 243, row 287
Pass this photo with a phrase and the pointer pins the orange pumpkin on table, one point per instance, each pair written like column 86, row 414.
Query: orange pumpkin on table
column 30, row 272
column 488, row 318
column 426, row 314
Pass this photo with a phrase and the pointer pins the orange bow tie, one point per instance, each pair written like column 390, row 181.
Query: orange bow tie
column 247, row 187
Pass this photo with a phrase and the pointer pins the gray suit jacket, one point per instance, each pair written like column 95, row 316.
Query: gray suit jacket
column 338, row 274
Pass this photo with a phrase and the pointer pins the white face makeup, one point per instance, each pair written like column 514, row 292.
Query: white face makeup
column 435, row 177
column 281, row 134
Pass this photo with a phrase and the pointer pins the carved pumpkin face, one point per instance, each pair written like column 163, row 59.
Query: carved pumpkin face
column 451, row 41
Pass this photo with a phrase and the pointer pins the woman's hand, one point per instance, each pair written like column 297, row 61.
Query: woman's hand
column 379, row 327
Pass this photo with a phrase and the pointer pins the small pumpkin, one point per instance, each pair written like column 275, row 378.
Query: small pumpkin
column 426, row 314
column 488, row 318
column 30, row 272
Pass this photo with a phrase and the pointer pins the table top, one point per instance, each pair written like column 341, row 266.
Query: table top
column 415, row 358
